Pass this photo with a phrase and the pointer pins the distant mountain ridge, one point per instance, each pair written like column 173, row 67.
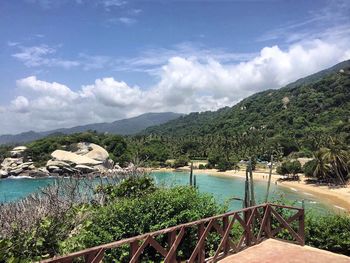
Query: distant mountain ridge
column 123, row 127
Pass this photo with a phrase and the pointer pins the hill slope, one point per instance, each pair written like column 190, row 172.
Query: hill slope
column 122, row 127
column 320, row 102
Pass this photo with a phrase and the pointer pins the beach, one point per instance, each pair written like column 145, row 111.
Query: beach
column 338, row 197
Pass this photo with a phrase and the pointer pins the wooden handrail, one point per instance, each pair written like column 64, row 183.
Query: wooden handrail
column 248, row 218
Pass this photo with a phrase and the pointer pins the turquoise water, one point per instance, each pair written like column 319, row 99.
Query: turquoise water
column 222, row 188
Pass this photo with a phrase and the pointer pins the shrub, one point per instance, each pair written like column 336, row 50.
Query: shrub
column 224, row 165
column 133, row 216
column 131, row 187
column 329, row 232
column 181, row 161
column 201, row 166
column 289, row 168
column 309, row 168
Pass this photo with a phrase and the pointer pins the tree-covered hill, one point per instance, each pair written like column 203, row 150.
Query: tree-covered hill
column 311, row 106
column 121, row 127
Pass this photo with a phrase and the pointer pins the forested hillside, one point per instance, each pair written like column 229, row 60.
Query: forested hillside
column 297, row 111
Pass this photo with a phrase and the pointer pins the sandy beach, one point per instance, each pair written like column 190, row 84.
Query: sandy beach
column 338, row 197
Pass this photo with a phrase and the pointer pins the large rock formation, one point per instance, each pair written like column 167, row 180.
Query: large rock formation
column 88, row 157
column 17, row 164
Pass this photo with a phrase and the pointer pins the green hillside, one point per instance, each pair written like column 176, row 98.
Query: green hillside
column 313, row 106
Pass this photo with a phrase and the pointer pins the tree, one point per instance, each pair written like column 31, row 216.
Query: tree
column 337, row 159
column 290, row 168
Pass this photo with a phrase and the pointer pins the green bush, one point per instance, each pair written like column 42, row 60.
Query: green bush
column 201, row 166
column 181, row 162
column 289, row 168
column 130, row 187
column 309, row 168
column 330, row 232
column 133, row 216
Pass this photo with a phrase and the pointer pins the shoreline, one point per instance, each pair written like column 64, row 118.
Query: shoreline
column 337, row 197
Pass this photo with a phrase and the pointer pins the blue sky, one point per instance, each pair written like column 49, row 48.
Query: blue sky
column 73, row 62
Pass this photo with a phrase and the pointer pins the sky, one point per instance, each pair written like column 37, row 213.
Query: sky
column 72, row 62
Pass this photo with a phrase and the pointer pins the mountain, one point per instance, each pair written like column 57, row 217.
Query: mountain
column 318, row 103
column 122, row 127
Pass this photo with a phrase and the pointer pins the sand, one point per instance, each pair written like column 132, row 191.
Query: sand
column 338, row 197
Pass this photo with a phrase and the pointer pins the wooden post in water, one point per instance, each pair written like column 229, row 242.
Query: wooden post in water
column 246, row 190
column 252, row 195
column 269, row 181
column 191, row 174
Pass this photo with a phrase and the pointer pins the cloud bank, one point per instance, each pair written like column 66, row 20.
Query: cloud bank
column 185, row 84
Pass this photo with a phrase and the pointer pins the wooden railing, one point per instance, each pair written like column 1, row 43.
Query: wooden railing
column 256, row 224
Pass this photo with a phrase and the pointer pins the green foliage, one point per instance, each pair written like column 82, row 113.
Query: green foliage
column 133, row 216
column 181, row 161
column 224, row 165
column 40, row 242
column 330, row 232
column 130, row 187
column 289, row 168
column 201, row 166
column 309, row 168
column 315, row 109
column 154, row 150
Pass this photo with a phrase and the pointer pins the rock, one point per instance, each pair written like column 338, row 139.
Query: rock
column 18, row 151
column 3, row 174
column 97, row 152
column 85, row 168
column 60, row 164
column 52, row 168
column 16, row 171
column 65, row 156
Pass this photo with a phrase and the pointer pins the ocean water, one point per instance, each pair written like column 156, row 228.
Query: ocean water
column 222, row 188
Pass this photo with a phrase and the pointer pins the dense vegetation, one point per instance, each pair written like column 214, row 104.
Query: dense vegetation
column 297, row 117
column 130, row 207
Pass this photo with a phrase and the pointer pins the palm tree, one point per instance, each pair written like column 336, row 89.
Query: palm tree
column 322, row 168
column 337, row 158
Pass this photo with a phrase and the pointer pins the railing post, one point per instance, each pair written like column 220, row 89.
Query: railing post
column 171, row 240
column 225, row 226
column 301, row 230
column 134, row 246
column 247, row 214
column 201, row 254
column 268, row 221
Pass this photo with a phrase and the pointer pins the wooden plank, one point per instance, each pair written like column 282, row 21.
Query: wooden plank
column 289, row 220
column 134, row 246
column 135, row 258
column 158, row 247
column 263, row 223
column 282, row 221
column 201, row 241
column 99, row 256
column 171, row 254
column 201, row 253
column 224, row 240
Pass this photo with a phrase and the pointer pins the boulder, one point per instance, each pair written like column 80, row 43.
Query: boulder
column 85, row 168
column 70, row 157
column 97, row 152
column 57, row 163
column 18, row 151
column 3, row 174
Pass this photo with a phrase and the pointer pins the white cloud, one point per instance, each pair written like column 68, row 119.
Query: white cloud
column 127, row 20
column 184, row 84
column 109, row 4
column 20, row 104
column 35, row 56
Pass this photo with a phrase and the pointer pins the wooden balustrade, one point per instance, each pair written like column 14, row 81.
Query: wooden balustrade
column 256, row 224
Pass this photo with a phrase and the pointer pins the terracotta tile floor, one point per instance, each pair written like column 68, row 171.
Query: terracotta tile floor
column 272, row 250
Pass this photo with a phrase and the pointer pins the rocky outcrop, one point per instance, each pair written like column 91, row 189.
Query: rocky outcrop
column 87, row 158
column 17, row 164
